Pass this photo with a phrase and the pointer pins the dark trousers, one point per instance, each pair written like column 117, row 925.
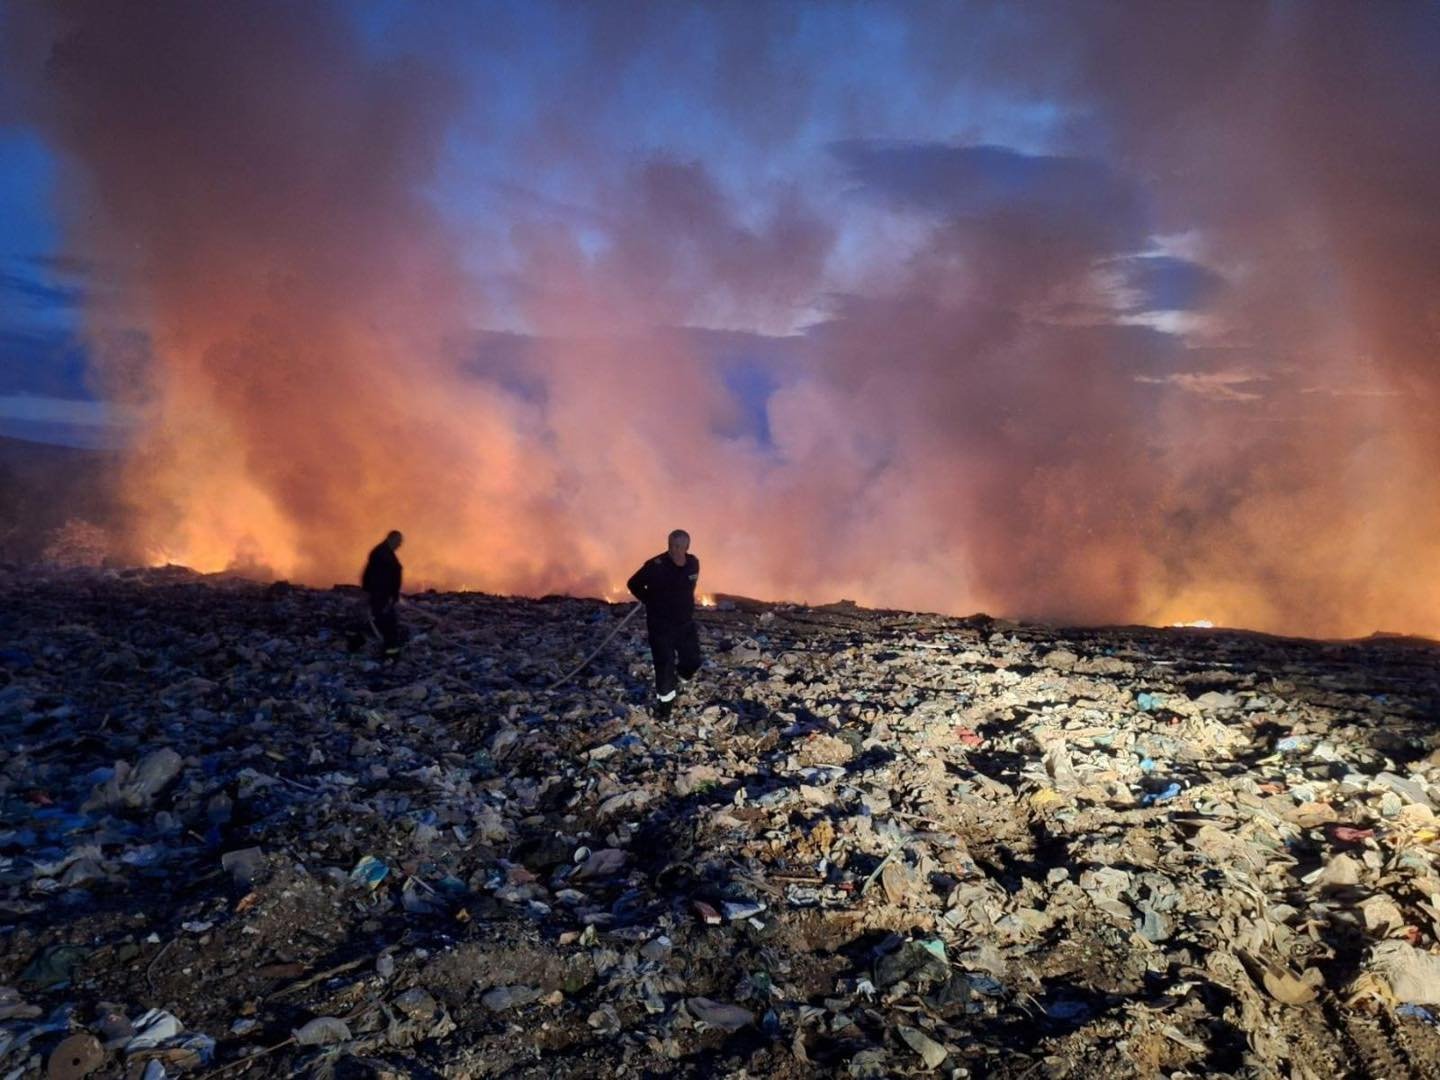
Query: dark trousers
column 387, row 621
column 676, row 650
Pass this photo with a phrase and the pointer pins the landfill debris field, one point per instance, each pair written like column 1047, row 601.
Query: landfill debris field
column 865, row 844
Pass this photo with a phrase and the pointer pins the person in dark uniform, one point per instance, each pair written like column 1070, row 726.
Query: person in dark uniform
column 381, row 582
column 666, row 586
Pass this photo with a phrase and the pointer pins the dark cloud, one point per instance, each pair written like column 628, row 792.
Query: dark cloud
column 65, row 265
column 1166, row 283
column 984, row 181
column 52, row 363
column 37, row 292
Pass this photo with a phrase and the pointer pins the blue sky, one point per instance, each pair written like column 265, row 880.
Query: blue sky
column 42, row 358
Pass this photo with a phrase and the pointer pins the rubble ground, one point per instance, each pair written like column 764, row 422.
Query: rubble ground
column 865, row 844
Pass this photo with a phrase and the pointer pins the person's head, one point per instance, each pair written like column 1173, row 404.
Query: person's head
column 679, row 546
column 394, row 539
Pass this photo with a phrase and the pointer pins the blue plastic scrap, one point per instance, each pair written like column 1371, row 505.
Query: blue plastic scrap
column 984, row 984
column 1155, row 798
column 1068, row 1011
column 369, row 872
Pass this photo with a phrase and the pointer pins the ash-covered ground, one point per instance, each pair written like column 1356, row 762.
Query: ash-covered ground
column 865, row 844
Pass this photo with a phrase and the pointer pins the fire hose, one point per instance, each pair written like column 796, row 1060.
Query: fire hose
column 581, row 666
column 411, row 611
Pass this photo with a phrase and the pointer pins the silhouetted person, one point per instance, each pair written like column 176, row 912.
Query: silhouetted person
column 381, row 582
column 666, row 586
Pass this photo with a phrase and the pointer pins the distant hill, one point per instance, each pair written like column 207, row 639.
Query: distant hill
column 44, row 485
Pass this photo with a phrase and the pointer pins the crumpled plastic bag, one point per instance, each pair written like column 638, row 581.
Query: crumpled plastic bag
column 1413, row 975
column 718, row 1014
column 138, row 786
column 323, row 1031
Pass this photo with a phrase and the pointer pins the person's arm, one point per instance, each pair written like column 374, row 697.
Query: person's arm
column 639, row 584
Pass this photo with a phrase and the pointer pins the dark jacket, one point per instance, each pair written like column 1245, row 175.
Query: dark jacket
column 381, row 578
column 666, row 590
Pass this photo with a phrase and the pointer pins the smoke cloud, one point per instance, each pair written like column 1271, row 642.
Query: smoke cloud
column 1093, row 313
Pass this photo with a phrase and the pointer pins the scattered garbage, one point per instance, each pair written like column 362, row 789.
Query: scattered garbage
column 1164, row 795
column 54, row 967
column 154, row 1027
column 244, row 866
column 76, row 1056
column 719, row 1014
column 875, row 843
column 504, row 998
column 322, row 1031
column 129, row 787
column 931, row 1052
column 913, row 961
column 1413, row 976
column 369, row 872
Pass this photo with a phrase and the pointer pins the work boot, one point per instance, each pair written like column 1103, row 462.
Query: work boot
column 664, row 703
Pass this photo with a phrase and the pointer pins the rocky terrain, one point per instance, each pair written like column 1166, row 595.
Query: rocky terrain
column 866, row 844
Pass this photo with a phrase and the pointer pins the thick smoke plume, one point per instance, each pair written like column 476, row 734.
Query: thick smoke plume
column 1174, row 360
